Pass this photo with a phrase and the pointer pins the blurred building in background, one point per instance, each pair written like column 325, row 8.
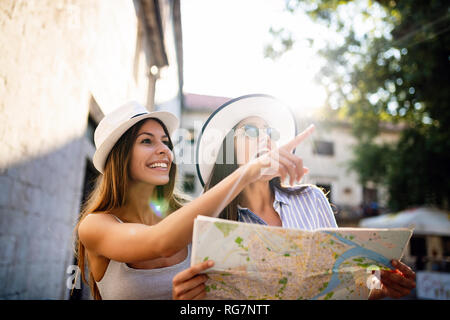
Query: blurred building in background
column 326, row 154
column 196, row 109
column 63, row 65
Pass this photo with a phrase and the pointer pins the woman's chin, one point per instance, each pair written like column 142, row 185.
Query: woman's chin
column 160, row 182
column 155, row 181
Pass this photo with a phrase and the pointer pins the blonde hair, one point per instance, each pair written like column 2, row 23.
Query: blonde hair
column 110, row 191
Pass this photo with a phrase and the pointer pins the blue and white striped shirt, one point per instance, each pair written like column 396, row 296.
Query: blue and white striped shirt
column 308, row 210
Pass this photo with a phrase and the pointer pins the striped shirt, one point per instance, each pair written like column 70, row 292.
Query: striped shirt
column 308, row 210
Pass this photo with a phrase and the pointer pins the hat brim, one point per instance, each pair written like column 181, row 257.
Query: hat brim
column 101, row 154
column 220, row 122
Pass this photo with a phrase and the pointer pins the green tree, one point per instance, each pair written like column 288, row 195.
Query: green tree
column 395, row 70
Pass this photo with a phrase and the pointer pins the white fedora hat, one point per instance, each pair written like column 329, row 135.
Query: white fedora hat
column 116, row 123
column 227, row 116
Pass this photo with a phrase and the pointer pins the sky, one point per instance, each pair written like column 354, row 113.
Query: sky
column 223, row 51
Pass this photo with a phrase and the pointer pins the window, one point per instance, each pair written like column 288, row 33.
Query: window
column 370, row 202
column 323, row 148
column 90, row 175
column 190, row 136
column 418, row 246
column 347, row 191
column 189, row 183
column 446, row 246
column 94, row 117
column 370, row 195
column 90, row 129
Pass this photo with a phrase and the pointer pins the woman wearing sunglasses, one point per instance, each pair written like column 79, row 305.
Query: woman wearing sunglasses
column 134, row 231
column 252, row 126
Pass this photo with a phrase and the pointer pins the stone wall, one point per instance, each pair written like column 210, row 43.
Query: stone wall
column 55, row 57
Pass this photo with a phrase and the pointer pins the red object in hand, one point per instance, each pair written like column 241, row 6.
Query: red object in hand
column 397, row 271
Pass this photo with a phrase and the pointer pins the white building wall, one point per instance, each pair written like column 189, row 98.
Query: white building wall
column 332, row 170
column 54, row 56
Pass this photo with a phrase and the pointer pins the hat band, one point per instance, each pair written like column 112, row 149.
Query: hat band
column 139, row 114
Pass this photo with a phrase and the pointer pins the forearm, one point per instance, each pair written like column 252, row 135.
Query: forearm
column 179, row 224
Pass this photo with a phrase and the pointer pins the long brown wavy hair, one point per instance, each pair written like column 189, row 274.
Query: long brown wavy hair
column 222, row 169
column 110, row 190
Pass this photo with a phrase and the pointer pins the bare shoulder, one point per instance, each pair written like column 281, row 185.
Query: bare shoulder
column 96, row 218
column 92, row 226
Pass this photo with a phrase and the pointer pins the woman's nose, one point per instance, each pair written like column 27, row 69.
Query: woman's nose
column 163, row 148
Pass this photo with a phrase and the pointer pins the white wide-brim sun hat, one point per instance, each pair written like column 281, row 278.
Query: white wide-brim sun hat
column 116, row 123
column 277, row 115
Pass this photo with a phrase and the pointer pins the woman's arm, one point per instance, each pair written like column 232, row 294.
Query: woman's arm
column 134, row 242
column 128, row 242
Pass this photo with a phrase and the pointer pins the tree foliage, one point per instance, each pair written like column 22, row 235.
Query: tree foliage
column 392, row 66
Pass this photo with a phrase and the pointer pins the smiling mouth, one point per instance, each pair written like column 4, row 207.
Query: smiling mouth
column 161, row 166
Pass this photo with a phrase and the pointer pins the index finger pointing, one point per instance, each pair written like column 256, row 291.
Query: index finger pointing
column 299, row 138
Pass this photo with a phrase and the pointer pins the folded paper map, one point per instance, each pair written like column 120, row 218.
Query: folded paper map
column 262, row 262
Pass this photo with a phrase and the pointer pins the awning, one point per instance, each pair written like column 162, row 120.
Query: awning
column 424, row 220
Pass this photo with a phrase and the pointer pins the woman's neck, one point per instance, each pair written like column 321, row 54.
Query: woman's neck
column 137, row 205
column 257, row 197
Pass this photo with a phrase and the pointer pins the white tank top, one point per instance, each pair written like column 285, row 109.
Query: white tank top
column 120, row 282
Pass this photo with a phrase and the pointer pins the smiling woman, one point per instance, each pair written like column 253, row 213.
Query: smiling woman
column 134, row 231
column 152, row 152
column 253, row 126
column 136, row 171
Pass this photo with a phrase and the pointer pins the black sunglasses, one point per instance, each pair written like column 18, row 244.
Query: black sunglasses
column 253, row 131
